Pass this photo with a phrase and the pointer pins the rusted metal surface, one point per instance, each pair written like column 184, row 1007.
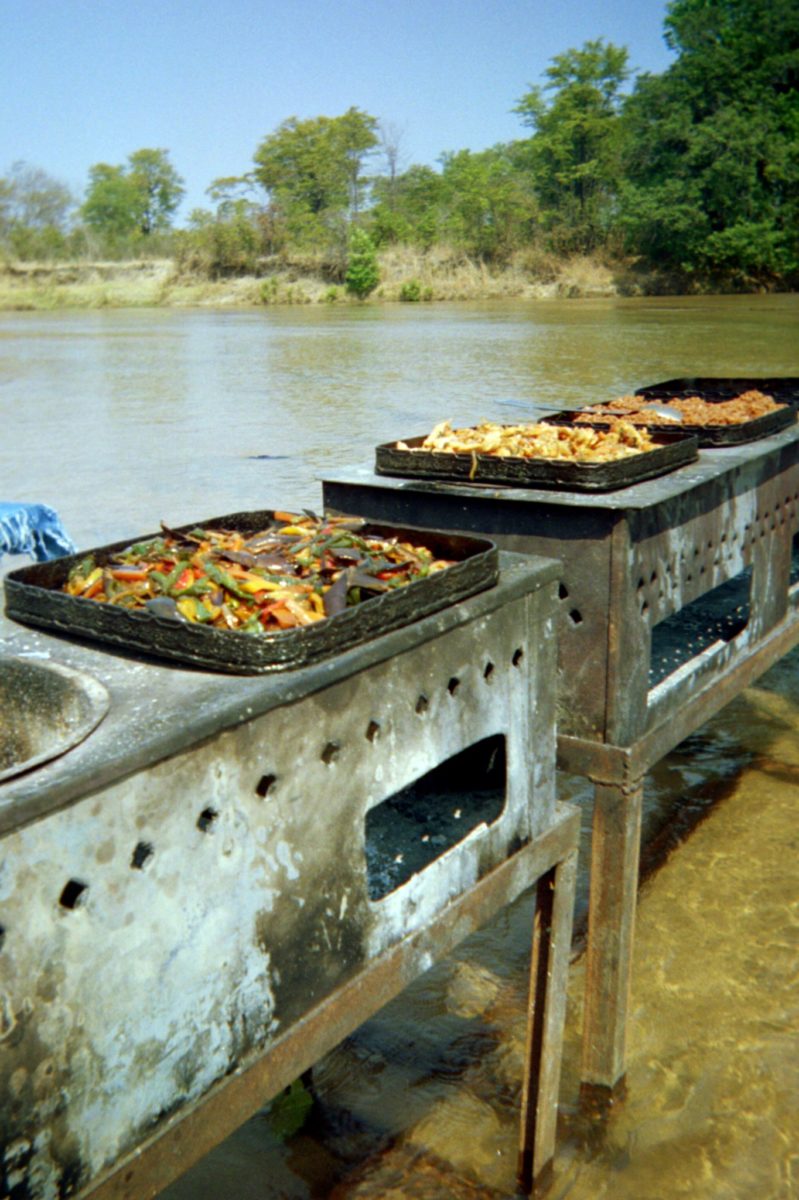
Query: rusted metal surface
column 187, row 1136
column 157, row 710
column 46, row 710
column 546, row 1018
column 191, row 923
column 615, row 847
column 630, row 562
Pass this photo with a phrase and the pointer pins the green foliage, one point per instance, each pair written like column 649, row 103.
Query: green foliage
column 158, row 187
column 362, row 275
column 574, row 152
column 712, row 160
column 411, row 291
column 269, row 290
column 227, row 243
column 111, row 206
column 695, row 173
column 35, row 214
column 407, row 208
column 488, row 207
column 135, row 200
column 312, row 171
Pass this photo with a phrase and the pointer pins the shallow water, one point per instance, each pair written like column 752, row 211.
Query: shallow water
column 121, row 419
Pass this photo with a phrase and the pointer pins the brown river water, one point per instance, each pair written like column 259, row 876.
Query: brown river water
column 119, row 419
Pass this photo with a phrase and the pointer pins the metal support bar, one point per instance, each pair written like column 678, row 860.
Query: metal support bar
column 545, row 1021
column 611, row 921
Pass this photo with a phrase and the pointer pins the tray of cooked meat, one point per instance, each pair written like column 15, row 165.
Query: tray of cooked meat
column 718, row 421
column 253, row 592
column 784, row 389
column 542, row 455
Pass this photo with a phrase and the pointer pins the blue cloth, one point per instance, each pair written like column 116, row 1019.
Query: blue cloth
column 33, row 529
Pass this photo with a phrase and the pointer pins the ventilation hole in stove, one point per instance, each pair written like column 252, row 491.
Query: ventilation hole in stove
column 72, row 894
column 330, row 753
column 488, row 670
column 372, row 730
column 518, row 655
column 422, row 704
column 414, row 827
column 794, row 576
column 142, row 851
column 264, row 785
column 718, row 616
column 206, row 819
column 453, row 685
column 576, row 617
column 2, row 936
column 563, row 591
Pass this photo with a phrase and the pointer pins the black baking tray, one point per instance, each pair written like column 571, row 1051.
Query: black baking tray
column 782, row 388
column 708, row 436
column 674, row 449
column 33, row 596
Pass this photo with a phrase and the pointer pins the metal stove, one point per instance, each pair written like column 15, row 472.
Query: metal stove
column 675, row 593
column 193, row 903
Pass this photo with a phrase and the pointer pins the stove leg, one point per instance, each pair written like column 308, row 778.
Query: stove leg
column 552, row 932
column 611, row 921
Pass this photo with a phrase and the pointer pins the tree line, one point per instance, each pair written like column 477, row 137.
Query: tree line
column 694, row 171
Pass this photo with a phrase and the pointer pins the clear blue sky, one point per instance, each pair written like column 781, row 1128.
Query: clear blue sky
column 87, row 81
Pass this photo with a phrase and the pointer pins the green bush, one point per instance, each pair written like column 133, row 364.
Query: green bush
column 362, row 275
column 411, row 291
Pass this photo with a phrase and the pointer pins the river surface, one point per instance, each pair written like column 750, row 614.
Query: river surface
column 119, row 419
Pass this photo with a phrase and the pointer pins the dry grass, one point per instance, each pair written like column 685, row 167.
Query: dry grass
column 440, row 273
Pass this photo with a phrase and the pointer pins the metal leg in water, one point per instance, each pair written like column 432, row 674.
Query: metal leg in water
column 552, row 929
column 611, row 921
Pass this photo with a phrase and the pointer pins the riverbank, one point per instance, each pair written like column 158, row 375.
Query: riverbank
column 405, row 276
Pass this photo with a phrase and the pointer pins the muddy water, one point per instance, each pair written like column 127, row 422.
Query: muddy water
column 121, row 419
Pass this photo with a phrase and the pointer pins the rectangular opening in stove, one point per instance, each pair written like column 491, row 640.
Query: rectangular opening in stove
column 718, row 616
column 412, row 828
column 793, row 582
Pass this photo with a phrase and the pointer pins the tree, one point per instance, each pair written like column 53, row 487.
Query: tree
column 362, row 275
column 407, row 209
column 158, row 187
column 489, row 208
column 712, row 158
column 138, row 199
column 35, row 212
column 112, row 205
column 312, row 171
column 574, row 152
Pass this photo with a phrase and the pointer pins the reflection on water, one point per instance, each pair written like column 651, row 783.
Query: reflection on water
column 120, row 419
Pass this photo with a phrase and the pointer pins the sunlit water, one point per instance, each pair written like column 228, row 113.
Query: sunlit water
column 121, row 419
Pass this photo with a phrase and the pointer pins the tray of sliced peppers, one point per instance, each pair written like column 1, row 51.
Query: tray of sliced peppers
column 253, row 592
